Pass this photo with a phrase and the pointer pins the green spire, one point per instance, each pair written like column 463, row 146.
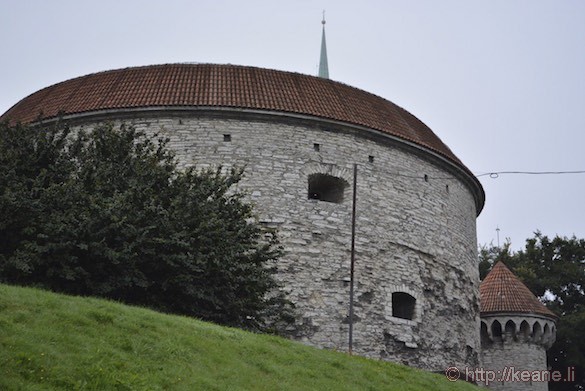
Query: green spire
column 323, row 67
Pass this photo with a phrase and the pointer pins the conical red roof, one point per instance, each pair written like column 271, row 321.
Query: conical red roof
column 502, row 291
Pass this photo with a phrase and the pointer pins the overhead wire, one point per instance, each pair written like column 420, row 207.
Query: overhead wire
column 491, row 174
column 496, row 174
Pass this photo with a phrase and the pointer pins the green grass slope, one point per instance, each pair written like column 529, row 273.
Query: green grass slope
column 52, row 342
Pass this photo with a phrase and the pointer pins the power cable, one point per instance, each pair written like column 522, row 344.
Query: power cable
column 495, row 175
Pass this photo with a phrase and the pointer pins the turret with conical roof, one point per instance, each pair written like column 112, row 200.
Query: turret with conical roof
column 516, row 330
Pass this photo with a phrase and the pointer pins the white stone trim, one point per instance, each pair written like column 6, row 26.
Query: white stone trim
column 418, row 307
column 328, row 169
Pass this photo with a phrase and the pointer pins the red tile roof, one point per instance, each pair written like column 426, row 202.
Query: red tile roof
column 211, row 85
column 226, row 86
column 502, row 291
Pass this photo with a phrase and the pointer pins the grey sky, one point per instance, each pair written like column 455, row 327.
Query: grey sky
column 502, row 82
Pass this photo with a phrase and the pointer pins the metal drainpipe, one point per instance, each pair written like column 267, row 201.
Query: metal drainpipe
column 351, row 279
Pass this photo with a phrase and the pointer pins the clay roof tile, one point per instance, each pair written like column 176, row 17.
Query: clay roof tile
column 502, row 291
column 227, row 86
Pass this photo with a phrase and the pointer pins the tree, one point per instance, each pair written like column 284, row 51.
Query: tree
column 108, row 213
column 554, row 270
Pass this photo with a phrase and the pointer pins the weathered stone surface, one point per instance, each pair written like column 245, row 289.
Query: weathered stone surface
column 412, row 235
column 516, row 345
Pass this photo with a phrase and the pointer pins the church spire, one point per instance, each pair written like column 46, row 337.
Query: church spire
column 323, row 67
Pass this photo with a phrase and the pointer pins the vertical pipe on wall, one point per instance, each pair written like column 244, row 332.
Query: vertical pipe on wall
column 351, row 272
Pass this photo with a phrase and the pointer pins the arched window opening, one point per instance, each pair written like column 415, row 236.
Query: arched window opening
column 403, row 305
column 536, row 331
column 546, row 332
column 326, row 188
column 496, row 329
column 485, row 339
column 510, row 329
column 525, row 330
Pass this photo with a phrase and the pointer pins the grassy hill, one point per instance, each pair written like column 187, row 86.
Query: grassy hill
column 50, row 341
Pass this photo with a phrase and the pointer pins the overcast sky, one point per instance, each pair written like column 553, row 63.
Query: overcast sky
column 501, row 82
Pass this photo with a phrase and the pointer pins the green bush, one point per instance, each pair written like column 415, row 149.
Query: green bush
column 107, row 213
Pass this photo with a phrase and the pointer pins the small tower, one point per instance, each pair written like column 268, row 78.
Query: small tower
column 516, row 331
column 323, row 66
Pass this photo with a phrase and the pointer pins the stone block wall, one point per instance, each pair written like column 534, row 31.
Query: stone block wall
column 514, row 356
column 514, row 344
column 415, row 230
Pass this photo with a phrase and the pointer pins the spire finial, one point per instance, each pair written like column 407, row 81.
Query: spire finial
column 323, row 66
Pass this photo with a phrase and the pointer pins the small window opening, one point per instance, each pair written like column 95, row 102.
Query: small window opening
column 227, row 137
column 326, row 188
column 546, row 331
column 403, row 305
column 536, row 331
column 317, row 147
column 447, row 188
column 496, row 329
column 484, row 334
column 371, row 159
column 525, row 330
column 426, row 178
column 510, row 329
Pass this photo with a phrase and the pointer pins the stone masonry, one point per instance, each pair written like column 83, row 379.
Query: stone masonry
column 415, row 229
column 517, row 344
column 418, row 299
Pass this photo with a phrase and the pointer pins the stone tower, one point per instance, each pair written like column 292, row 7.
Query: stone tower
column 299, row 137
column 516, row 331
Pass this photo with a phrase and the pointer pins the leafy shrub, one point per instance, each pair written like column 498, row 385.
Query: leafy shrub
column 108, row 213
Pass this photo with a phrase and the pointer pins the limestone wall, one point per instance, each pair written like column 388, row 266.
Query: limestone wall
column 412, row 235
column 508, row 358
column 514, row 345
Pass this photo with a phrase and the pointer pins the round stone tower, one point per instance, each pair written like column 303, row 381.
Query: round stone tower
column 298, row 137
column 516, row 331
